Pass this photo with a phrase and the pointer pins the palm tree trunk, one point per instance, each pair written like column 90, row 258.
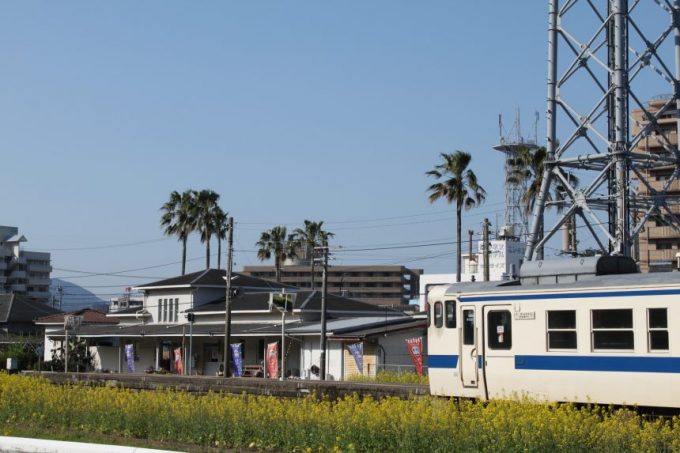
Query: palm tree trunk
column 277, row 265
column 312, row 284
column 184, row 255
column 459, row 214
column 207, row 253
column 219, row 252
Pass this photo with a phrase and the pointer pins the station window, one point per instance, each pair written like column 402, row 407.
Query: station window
column 562, row 329
column 468, row 327
column 657, row 329
column 176, row 309
column 438, row 315
column 612, row 329
column 160, row 307
column 500, row 329
column 450, row 306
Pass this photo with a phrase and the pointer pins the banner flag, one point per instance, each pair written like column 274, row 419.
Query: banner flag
column 273, row 360
column 237, row 360
column 357, row 351
column 415, row 349
column 130, row 356
column 179, row 368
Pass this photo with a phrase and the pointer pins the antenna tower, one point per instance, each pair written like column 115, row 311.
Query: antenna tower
column 610, row 53
column 511, row 143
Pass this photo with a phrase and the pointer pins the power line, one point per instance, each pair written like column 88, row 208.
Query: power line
column 109, row 246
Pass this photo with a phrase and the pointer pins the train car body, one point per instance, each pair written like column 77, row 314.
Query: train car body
column 612, row 339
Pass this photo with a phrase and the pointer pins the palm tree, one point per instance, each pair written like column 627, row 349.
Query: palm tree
column 221, row 230
column 276, row 242
column 310, row 237
column 458, row 185
column 178, row 219
column 528, row 167
column 206, row 210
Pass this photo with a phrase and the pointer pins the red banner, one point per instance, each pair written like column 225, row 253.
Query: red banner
column 273, row 360
column 179, row 368
column 415, row 349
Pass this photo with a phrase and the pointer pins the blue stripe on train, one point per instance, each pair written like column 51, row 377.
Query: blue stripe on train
column 592, row 363
column 442, row 361
column 654, row 292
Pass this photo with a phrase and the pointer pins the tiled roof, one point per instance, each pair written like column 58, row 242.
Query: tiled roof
column 16, row 308
column 215, row 277
column 304, row 300
column 89, row 317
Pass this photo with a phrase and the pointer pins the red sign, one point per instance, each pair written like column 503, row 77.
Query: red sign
column 415, row 349
column 273, row 360
column 179, row 368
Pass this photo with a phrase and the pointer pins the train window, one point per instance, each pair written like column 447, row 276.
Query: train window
column 468, row 327
column 500, row 329
column 657, row 327
column 429, row 315
column 438, row 315
column 612, row 329
column 562, row 329
column 450, row 306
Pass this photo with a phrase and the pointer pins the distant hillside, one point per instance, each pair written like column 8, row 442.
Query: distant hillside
column 76, row 297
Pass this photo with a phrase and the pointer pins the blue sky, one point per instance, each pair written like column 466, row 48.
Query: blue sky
column 290, row 110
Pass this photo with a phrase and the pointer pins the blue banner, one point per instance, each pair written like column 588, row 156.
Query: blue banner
column 236, row 360
column 357, row 351
column 130, row 356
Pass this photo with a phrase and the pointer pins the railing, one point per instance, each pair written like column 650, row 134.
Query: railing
column 662, row 255
column 662, row 232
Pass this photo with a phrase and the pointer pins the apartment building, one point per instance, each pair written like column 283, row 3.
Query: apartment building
column 21, row 271
column 658, row 242
column 392, row 286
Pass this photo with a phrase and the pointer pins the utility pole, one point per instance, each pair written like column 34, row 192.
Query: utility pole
column 227, row 299
column 66, row 346
column 470, row 257
column 283, row 334
column 324, row 292
column 487, row 248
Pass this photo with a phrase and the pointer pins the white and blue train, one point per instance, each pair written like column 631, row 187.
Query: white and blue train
column 593, row 334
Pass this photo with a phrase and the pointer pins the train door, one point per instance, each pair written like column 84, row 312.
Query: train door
column 497, row 349
column 469, row 370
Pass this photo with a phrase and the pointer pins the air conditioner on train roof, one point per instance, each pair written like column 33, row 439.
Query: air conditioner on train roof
column 569, row 270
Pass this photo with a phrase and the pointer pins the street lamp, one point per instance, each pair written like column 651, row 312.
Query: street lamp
column 280, row 301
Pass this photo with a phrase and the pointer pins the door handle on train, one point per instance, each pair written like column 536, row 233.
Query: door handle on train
column 473, row 352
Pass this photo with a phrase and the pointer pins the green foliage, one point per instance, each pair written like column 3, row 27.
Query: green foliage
column 391, row 377
column 79, row 356
column 26, row 358
column 348, row 424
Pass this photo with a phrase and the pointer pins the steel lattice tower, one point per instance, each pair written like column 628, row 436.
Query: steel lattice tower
column 515, row 217
column 612, row 65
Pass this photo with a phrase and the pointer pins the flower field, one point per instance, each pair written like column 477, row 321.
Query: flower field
column 350, row 424
column 391, row 377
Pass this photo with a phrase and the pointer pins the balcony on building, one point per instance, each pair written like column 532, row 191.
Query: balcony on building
column 40, row 267
column 39, row 281
column 18, row 274
column 39, row 294
column 661, row 232
column 19, row 260
column 18, row 287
